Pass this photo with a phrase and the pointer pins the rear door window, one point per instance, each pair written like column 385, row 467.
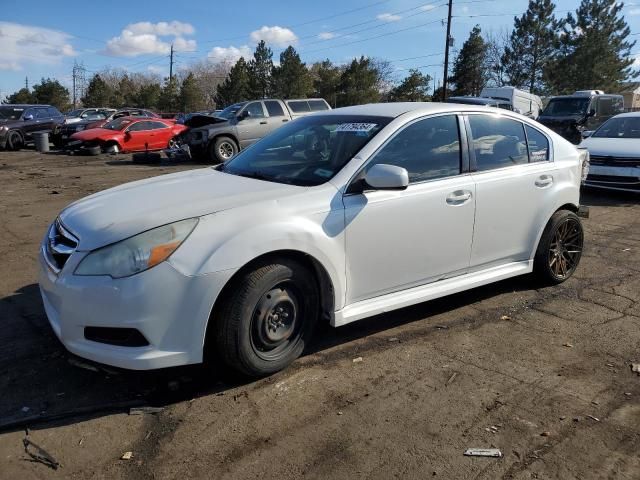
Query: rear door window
column 140, row 126
column 42, row 113
column 156, row 125
column 274, row 109
column 498, row 142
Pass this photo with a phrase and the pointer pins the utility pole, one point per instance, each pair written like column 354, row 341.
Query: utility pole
column 171, row 64
column 73, row 76
column 445, row 78
column 26, row 83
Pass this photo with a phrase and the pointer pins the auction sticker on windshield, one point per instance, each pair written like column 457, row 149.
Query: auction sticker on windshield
column 356, row 127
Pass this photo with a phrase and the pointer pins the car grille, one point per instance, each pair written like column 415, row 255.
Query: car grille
column 59, row 246
column 612, row 161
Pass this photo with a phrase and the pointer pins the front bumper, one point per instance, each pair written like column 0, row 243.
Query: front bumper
column 170, row 309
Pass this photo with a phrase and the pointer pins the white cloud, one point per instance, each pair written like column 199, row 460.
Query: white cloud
column 427, row 8
column 389, row 17
column 277, row 36
column 22, row 44
column 634, row 11
column 162, row 29
column 326, row 35
column 230, row 54
column 146, row 38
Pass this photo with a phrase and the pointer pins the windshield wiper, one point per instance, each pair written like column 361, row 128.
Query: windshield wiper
column 256, row 175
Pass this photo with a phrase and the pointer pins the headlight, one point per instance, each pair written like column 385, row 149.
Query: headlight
column 138, row 253
column 3, row 128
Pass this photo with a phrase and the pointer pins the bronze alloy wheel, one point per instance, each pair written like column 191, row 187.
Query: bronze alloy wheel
column 565, row 248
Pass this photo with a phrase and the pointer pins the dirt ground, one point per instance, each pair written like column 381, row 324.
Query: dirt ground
column 542, row 374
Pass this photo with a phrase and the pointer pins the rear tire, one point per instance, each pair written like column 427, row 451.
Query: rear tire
column 267, row 318
column 560, row 248
column 222, row 150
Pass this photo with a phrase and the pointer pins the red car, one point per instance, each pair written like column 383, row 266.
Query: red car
column 128, row 134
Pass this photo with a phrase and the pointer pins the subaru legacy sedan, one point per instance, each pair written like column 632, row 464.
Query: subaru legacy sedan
column 335, row 217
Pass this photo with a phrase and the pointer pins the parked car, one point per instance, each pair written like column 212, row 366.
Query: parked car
column 615, row 153
column 128, row 134
column 570, row 115
column 332, row 218
column 526, row 103
column 76, row 121
column 18, row 123
column 242, row 124
column 489, row 102
column 123, row 112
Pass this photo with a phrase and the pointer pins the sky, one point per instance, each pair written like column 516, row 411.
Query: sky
column 44, row 38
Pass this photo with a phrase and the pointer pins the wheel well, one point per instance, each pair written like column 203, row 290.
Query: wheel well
column 568, row 206
column 325, row 285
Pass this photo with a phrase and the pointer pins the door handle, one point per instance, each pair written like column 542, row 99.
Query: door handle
column 285, row 119
column 458, row 197
column 544, row 181
column 263, row 123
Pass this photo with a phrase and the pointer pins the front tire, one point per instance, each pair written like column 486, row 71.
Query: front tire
column 268, row 317
column 222, row 149
column 560, row 248
column 14, row 141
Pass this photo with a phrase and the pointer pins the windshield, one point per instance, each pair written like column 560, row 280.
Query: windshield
column 620, row 127
column 566, row 106
column 231, row 111
column 117, row 124
column 308, row 151
column 75, row 113
column 10, row 113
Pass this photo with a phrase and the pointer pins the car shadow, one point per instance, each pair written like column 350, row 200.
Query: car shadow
column 44, row 385
column 608, row 198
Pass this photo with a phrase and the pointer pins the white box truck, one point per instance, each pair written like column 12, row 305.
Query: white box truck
column 523, row 102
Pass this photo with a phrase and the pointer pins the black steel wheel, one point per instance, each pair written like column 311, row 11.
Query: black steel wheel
column 14, row 141
column 266, row 317
column 560, row 248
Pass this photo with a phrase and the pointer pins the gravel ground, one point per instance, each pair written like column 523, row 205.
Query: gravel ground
column 542, row 374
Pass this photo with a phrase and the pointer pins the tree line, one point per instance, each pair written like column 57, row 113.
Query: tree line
column 587, row 49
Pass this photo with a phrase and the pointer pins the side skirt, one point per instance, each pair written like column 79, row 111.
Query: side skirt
column 431, row 291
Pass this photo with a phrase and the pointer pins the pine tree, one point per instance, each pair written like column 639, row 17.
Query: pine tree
column 260, row 69
column 530, row 46
column 592, row 51
column 51, row 92
column 470, row 73
column 125, row 94
column 21, row 96
column 414, row 88
column 291, row 79
column 358, row 83
column 326, row 80
column 190, row 98
column 235, row 87
column 168, row 101
column 148, row 96
column 97, row 94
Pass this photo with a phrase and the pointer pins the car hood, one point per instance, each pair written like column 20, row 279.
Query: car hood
column 118, row 213
column 199, row 120
column 615, row 147
column 95, row 134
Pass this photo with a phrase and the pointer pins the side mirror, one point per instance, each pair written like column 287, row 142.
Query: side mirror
column 387, row 177
column 592, row 113
column 28, row 117
column 587, row 133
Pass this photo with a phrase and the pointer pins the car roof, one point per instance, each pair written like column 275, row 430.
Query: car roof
column 399, row 108
column 627, row 114
column 24, row 105
column 478, row 100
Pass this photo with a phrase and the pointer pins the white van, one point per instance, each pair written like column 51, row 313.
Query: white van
column 523, row 102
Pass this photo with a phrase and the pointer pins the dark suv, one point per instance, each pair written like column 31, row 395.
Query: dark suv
column 19, row 122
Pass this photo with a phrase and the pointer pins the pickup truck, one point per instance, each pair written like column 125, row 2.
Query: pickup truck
column 219, row 138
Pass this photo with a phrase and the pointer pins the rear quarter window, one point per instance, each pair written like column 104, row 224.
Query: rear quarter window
column 317, row 105
column 538, row 145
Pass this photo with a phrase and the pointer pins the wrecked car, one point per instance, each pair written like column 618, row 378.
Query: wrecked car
column 128, row 134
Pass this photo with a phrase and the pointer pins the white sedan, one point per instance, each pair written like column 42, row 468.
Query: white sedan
column 332, row 218
column 615, row 153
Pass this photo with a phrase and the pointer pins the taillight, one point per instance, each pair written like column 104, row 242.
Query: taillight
column 584, row 163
